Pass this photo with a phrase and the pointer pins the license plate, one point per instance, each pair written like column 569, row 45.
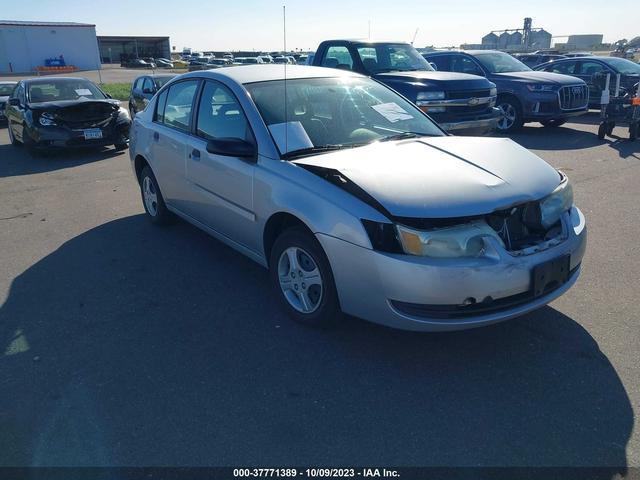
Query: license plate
column 92, row 134
column 550, row 275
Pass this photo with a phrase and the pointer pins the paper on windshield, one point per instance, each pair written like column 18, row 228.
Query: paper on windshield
column 290, row 136
column 83, row 92
column 392, row 112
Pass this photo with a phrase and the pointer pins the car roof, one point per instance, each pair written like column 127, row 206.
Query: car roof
column 8, row 82
column 268, row 72
column 364, row 40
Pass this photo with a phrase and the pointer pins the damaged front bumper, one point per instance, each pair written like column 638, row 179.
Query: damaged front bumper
column 434, row 294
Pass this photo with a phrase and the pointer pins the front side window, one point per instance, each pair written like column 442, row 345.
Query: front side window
column 500, row 62
column 462, row 64
column 338, row 57
column 336, row 113
column 220, row 115
column 177, row 111
column 63, row 90
column 388, row 57
column 591, row 68
column 147, row 85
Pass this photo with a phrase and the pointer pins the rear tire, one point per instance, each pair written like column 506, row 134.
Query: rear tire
column 152, row 199
column 305, row 288
column 553, row 123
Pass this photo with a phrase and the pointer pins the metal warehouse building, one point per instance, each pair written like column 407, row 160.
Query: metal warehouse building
column 24, row 46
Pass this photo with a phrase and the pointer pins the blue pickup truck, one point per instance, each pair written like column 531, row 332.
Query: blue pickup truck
column 523, row 95
column 457, row 102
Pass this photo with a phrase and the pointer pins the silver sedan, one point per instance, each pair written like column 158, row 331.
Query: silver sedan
column 355, row 200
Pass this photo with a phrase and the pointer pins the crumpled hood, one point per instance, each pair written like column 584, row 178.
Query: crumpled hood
column 73, row 103
column 444, row 177
column 539, row 77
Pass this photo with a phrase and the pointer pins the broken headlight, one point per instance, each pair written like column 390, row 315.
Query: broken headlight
column 47, row 120
column 554, row 205
column 465, row 240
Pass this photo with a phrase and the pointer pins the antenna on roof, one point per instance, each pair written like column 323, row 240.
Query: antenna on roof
column 286, row 60
column 414, row 36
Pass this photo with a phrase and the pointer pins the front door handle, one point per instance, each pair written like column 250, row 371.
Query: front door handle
column 156, row 136
column 195, row 154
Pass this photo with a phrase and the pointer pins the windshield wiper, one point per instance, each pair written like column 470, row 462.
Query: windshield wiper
column 403, row 135
column 301, row 152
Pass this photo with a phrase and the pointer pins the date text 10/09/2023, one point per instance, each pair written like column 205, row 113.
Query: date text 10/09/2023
column 315, row 472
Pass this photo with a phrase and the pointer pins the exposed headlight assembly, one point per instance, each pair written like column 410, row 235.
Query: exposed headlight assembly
column 47, row 120
column 465, row 240
column 556, row 203
column 542, row 87
column 493, row 92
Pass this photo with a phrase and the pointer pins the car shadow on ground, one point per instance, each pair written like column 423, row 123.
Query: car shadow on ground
column 137, row 345
column 16, row 161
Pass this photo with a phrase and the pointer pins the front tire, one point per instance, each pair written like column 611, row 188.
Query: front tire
column 511, row 114
column 14, row 141
column 152, row 198
column 302, row 279
column 553, row 123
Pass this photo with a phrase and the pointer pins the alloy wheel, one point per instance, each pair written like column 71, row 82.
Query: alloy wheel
column 300, row 280
column 509, row 115
column 150, row 196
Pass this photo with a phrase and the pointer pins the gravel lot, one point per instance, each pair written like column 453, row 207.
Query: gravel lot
column 129, row 344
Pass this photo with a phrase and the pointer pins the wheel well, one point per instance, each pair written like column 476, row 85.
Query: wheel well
column 139, row 164
column 277, row 224
column 510, row 96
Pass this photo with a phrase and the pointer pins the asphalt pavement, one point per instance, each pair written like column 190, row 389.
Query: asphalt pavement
column 123, row 343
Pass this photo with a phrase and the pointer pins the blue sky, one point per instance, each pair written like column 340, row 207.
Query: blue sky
column 253, row 24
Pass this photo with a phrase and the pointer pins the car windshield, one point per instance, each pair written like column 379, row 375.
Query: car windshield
column 623, row 66
column 6, row 89
column 388, row 57
column 61, row 90
column 335, row 113
column 500, row 62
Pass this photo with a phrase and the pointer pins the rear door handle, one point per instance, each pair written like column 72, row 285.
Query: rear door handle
column 156, row 136
column 195, row 154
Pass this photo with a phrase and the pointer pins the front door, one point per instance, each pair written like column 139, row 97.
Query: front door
column 221, row 187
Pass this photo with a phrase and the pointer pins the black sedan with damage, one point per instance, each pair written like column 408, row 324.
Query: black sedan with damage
column 48, row 113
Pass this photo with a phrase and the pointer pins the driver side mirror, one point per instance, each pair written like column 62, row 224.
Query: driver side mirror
column 232, row 147
column 14, row 102
column 433, row 65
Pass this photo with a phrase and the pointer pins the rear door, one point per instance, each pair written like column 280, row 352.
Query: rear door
column 221, row 187
column 170, row 134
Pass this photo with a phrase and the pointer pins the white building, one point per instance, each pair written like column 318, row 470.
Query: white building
column 24, row 46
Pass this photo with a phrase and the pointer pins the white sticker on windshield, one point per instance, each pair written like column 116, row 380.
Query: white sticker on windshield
column 392, row 112
column 290, row 136
column 83, row 92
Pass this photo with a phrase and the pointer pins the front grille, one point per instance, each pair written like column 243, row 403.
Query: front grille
column 573, row 97
column 469, row 109
column 81, row 125
column 468, row 94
